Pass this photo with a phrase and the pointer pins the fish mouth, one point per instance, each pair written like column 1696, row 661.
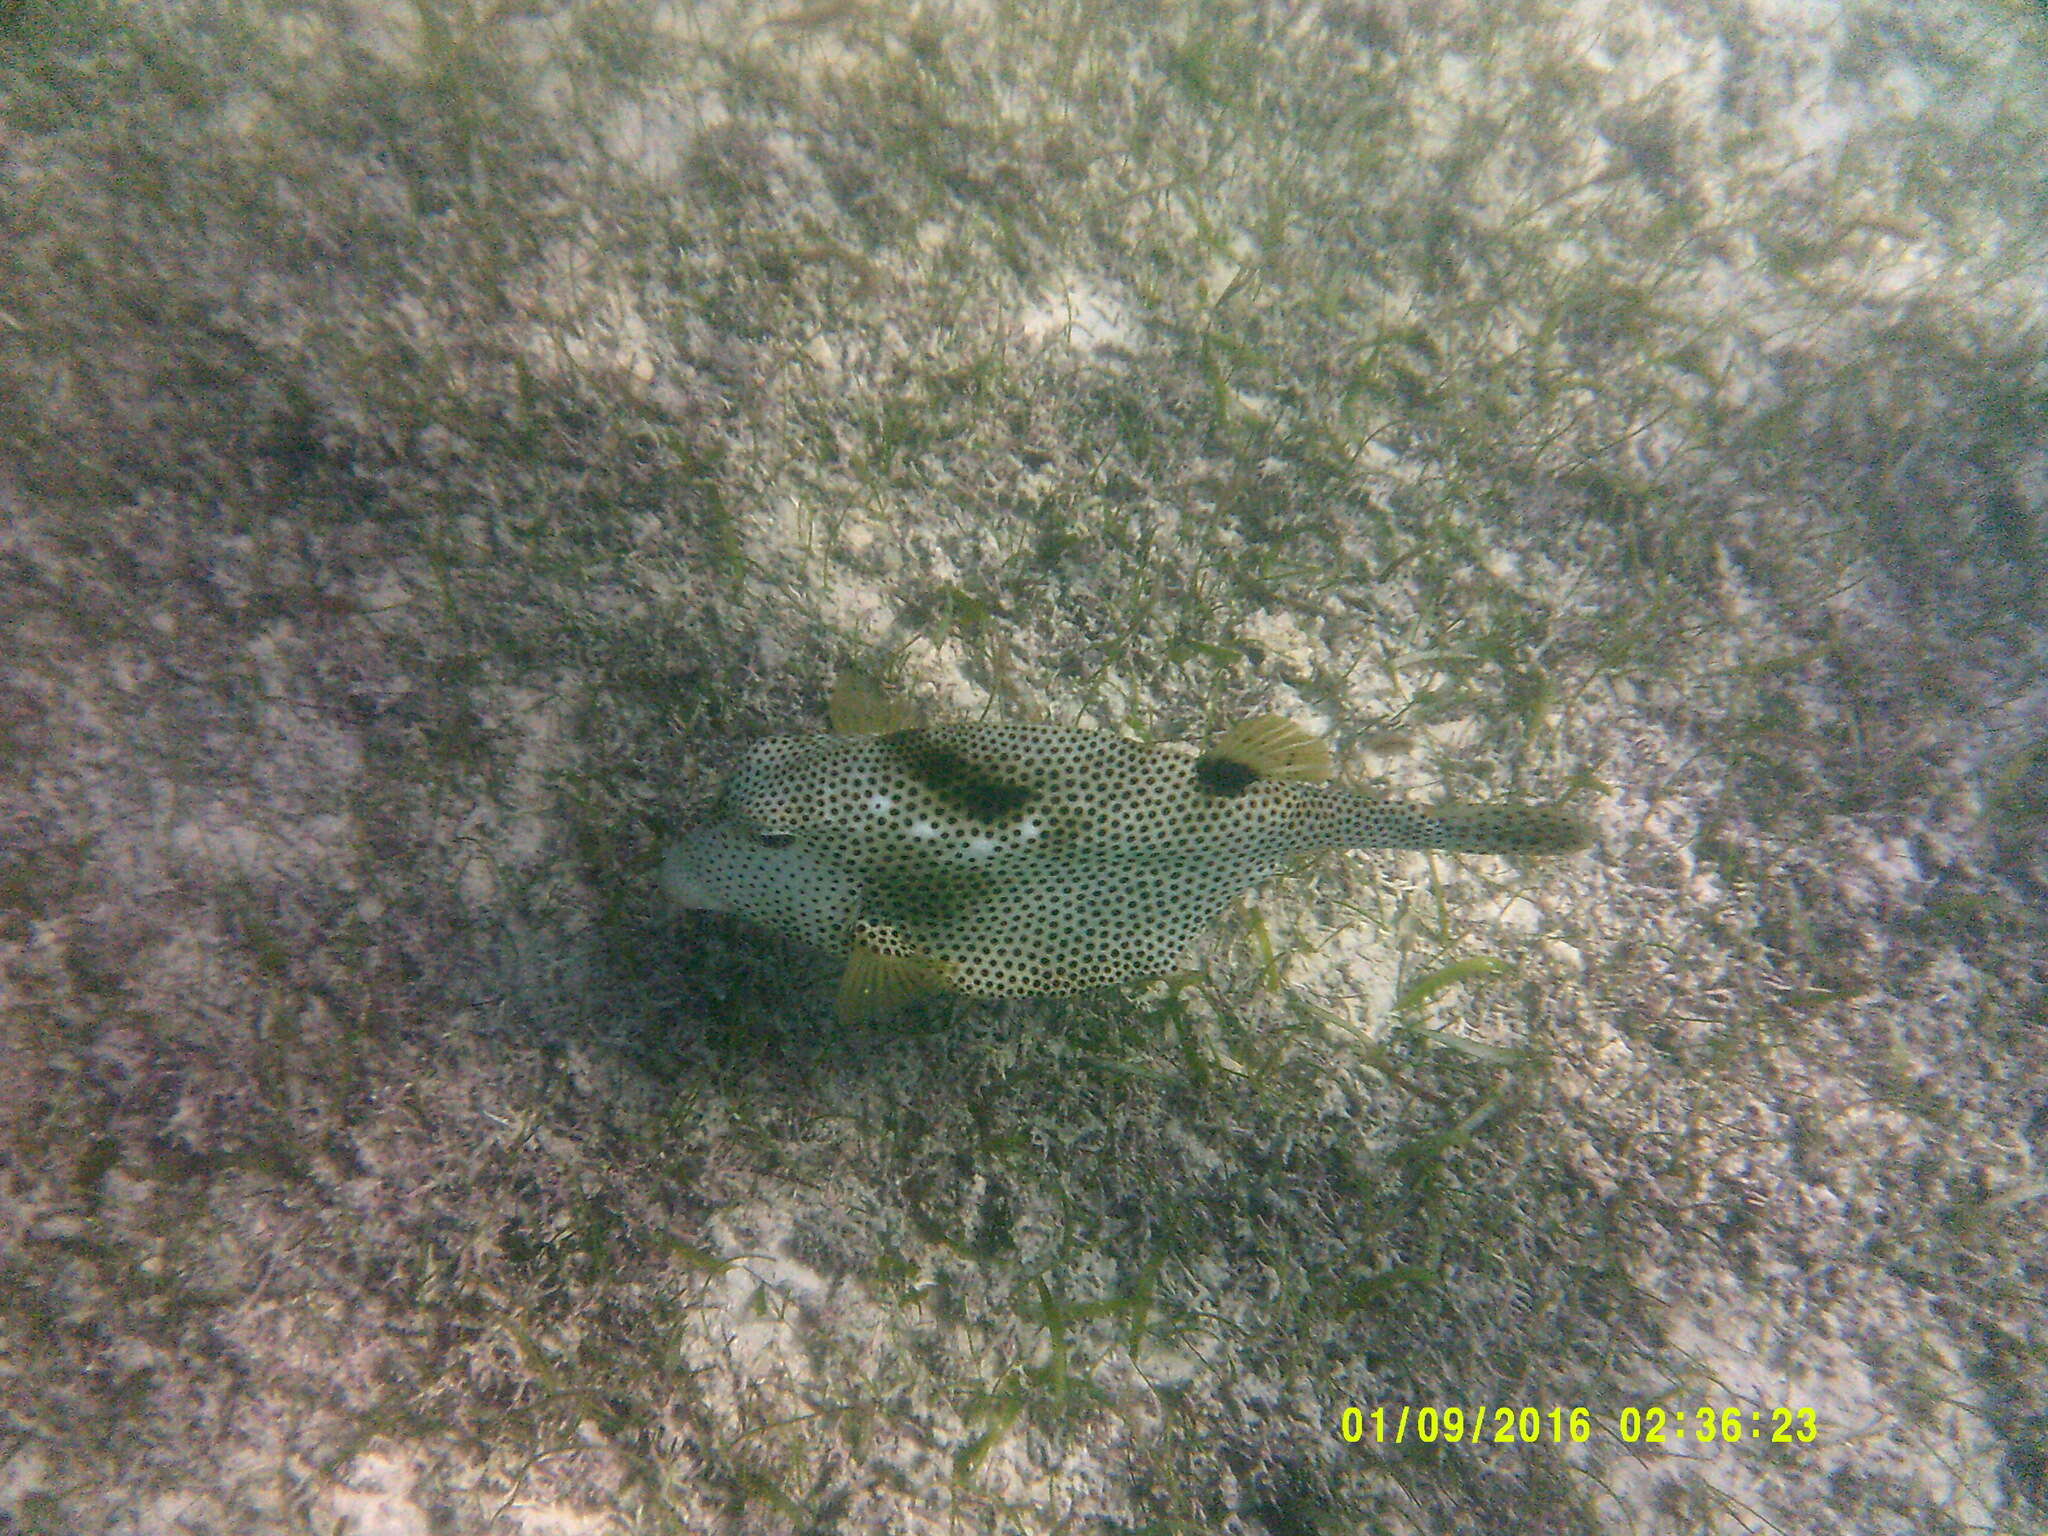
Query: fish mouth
column 682, row 877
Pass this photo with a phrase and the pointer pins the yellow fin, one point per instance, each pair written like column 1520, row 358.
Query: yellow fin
column 1274, row 748
column 883, row 973
column 858, row 707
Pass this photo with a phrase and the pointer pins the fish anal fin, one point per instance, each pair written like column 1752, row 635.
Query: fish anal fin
column 860, row 707
column 883, row 972
column 1273, row 747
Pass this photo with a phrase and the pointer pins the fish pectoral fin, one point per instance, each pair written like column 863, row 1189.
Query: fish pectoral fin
column 860, row 707
column 1273, row 747
column 885, row 971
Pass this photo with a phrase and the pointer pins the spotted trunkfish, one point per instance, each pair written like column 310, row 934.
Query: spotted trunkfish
column 1021, row 860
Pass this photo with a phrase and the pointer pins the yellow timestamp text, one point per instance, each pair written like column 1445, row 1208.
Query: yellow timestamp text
column 1654, row 1425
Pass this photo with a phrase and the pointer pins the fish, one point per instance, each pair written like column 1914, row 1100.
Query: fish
column 999, row 860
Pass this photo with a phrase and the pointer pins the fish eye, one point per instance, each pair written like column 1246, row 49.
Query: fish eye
column 774, row 839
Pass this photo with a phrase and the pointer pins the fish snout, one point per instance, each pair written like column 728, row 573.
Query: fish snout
column 688, row 872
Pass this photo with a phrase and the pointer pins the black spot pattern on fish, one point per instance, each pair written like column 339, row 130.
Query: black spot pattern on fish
column 1025, row 859
column 975, row 793
column 1223, row 776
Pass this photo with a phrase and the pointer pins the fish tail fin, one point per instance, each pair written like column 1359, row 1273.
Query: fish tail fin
column 1465, row 828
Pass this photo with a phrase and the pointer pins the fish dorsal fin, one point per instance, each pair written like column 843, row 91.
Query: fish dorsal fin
column 884, row 972
column 1272, row 747
column 859, row 707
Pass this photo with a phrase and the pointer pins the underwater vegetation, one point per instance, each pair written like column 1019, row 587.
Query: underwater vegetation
column 431, row 433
